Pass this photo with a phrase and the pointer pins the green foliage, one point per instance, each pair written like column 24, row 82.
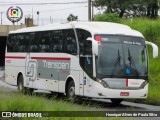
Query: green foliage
column 133, row 8
column 14, row 101
column 107, row 17
column 149, row 28
column 71, row 17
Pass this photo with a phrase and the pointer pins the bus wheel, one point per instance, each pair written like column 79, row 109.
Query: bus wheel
column 116, row 102
column 71, row 91
column 21, row 87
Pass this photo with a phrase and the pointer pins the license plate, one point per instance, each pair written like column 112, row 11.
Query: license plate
column 124, row 94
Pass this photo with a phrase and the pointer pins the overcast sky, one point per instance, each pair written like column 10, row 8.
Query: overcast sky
column 58, row 12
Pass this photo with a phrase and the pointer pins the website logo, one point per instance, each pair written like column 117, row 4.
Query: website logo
column 14, row 14
column 6, row 114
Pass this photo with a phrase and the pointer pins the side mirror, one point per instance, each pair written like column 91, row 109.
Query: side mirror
column 94, row 46
column 155, row 48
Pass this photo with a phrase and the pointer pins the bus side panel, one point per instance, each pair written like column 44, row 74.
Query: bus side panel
column 81, row 83
column 14, row 64
column 63, row 75
column 46, row 84
column 10, row 76
column 75, row 72
column 50, row 69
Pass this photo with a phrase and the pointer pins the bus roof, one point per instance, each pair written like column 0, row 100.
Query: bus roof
column 93, row 27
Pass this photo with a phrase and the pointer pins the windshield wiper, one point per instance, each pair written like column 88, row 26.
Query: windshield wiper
column 132, row 62
column 115, row 65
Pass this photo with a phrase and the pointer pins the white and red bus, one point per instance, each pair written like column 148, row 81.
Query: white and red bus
column 91, row 59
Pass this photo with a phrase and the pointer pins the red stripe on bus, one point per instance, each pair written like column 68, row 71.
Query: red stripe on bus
column 126, row 82
column 15, row 57
column 50, row 58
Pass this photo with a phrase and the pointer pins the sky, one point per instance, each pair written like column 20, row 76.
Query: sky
column 57, row 10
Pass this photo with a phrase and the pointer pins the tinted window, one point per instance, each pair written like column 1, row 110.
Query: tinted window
column 56, row 40
column 44, row 42
column 10, row 43
column 18, row 43
column 22, row 42
column 70, row 44
column 84, row 45
column 86, row 58
column 34, row 45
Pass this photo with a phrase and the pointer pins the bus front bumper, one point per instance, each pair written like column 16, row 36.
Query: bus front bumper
column 101, row 92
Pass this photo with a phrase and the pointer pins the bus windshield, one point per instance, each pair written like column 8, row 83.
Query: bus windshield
column 122, row 56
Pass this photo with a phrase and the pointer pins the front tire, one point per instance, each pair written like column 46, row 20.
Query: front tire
column 71, row 91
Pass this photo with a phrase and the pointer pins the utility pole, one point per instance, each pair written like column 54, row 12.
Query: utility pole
column 92, row 12
column 1, row 17
column 50, row 20
column 89, row 10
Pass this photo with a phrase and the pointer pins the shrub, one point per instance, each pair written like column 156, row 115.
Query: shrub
column 149, row 28
column 107, row 17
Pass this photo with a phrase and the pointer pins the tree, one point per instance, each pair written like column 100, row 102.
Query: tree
column 115, row 6
column 131, row 7
column 71, row 17
column 152, row 9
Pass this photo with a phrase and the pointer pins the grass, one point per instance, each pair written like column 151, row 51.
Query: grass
column 15, row 101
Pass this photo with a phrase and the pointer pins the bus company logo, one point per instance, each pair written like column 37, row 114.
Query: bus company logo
column 14, row 14
column 56, row 65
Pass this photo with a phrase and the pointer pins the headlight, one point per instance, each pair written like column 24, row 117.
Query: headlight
column 102, row 82
column 143, row 84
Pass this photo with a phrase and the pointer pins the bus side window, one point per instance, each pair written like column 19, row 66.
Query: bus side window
column 70, row 44
column 82, row 36
column 56, row 41
column 10, row 43
column 16, row 42
column 86, row 59
column 51, row 41
column 22, row 43
column 33, row 43
column 44, row 42
column 27, row 44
